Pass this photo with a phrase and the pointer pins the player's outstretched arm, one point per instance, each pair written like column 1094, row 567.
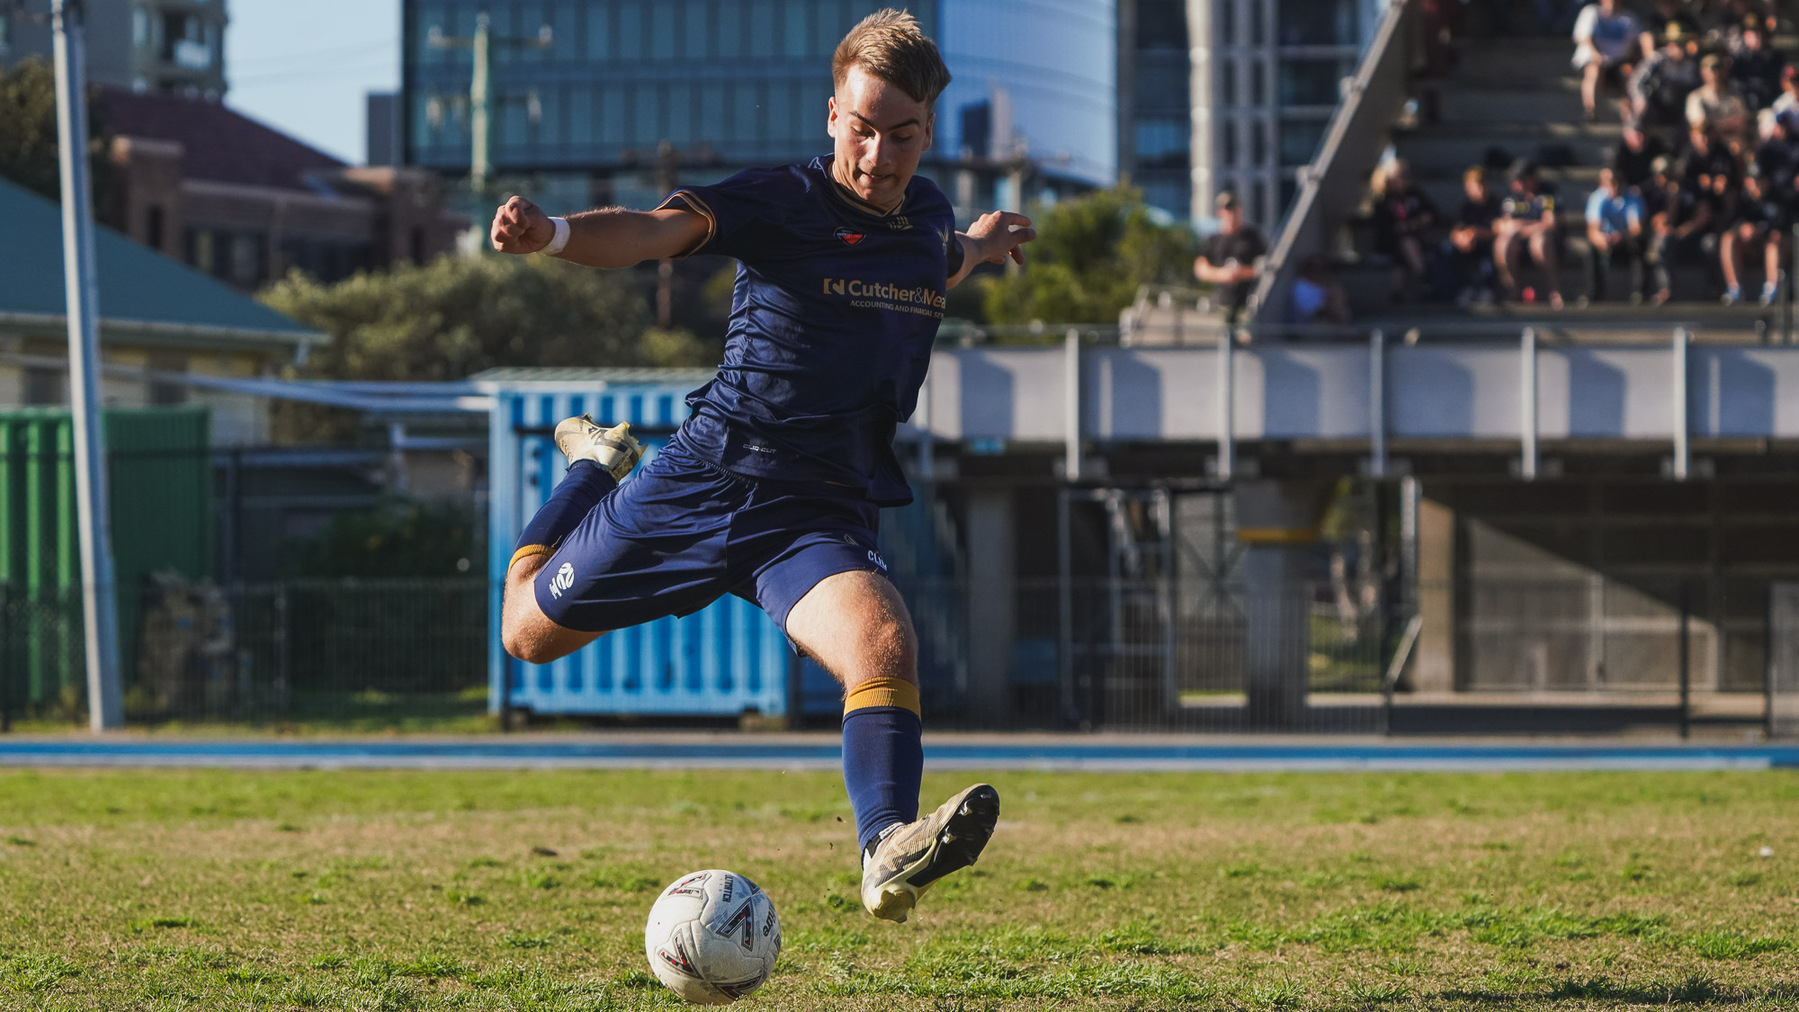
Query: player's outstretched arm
column 612, row 237
column 993, row 237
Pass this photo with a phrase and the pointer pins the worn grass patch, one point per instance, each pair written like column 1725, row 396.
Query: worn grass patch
column 528, row 891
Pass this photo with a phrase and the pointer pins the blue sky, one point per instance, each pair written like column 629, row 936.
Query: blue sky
column 303, row 66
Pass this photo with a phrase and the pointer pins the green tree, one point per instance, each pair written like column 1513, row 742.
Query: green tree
column 1091, row 255
column 459, row 315
column 28, row 132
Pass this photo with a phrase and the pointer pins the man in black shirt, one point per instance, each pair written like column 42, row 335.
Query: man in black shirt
column 1231, row 260
column 1469, row 248
column 1527, row 229
column 1634, row 154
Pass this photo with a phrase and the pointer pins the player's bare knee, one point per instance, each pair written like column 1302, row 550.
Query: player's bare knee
column 891, row 648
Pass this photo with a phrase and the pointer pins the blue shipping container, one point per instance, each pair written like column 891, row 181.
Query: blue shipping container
column 724, row 660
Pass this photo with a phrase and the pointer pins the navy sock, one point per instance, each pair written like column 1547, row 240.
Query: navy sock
column 580, row 491
column 883, row 762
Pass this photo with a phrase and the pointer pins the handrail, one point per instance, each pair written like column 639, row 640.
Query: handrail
column 1352, row 145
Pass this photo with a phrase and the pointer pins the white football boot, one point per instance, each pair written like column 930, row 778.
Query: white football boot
column 614, row 449
column 906, row 861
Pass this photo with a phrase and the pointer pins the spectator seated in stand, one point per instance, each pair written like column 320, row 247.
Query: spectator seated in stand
column 1756, row 70
column 1527, row 227
column 1764, row 216
column 1658, row 90
column 1402, row 213
column 1318, row 297
column 1231, row 260
column 1716, row 109
column 1786, row 105
column 1685, row 222
column 1466, row 257
column 1606, row 40
column 1615, row 232
column 1635, row 154
column 1659, row 195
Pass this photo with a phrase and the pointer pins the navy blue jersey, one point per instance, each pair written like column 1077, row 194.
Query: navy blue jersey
column 832, row 320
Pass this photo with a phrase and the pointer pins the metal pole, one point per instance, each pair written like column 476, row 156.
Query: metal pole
column 1071, row 405
column 1065, row 607
column 1227, row 449
column 1682, row 450
column 1686, row 667
column 480, row 105
column 1377, row 405
column 100, row 619
column 1527, row 406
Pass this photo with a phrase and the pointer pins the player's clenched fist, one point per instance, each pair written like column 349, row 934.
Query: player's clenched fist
column 520, row 226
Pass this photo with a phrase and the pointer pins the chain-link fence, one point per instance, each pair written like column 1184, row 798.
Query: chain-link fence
column 1148, row 654
column 352, row 653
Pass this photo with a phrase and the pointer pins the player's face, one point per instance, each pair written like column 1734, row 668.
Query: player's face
column 881, row 132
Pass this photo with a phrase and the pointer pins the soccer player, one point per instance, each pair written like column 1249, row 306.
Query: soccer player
column 771, row 489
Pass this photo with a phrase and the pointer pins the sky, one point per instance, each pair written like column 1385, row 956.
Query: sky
column 304, row 66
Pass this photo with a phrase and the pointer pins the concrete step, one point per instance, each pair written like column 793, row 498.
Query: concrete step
column 1461, row 104
column 1446, row 147
column 1520, row 60
column 1694, row 282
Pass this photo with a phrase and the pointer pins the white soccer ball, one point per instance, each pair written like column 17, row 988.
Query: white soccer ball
column 712, row 937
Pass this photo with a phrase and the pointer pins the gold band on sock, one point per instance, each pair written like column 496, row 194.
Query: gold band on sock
column 526, row 552
column 885, row 691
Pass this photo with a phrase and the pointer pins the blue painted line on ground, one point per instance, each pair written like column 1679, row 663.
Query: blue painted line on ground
column 801, row 755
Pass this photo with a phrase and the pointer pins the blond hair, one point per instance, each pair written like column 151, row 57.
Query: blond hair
column 890, row 45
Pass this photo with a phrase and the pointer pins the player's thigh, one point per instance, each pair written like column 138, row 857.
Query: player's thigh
column 855, row 624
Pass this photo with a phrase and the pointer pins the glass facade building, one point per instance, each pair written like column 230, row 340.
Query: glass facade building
column 631, row 93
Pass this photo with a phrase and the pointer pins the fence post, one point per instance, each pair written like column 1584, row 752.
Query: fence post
column 1678, row 404
column 1071, row 405
column 1527, row 405
column 1377, row 405
column 6, row 660
column 1686, row 668
column 1226, row 408
column 1065, row 609
column 284, row 686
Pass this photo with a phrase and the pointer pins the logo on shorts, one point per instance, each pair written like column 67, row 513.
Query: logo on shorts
column 875, row 557
column 563, row 580
column 850, row 236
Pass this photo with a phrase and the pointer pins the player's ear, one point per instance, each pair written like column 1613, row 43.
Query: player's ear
column 831, row 121
column 930, row 130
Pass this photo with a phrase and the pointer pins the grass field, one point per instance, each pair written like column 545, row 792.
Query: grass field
column 528, row 891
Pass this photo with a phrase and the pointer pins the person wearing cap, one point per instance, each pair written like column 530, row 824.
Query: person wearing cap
column 1715, row 108
column 1528, row 221
column 1659, row 88
column 1755, row 70
column 1659, row 194
column 1231, row 259
column 1666, row 13
column 1605, row 42
column 1614, row 232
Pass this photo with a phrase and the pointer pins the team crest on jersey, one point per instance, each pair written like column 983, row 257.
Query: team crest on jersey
column 851, row 237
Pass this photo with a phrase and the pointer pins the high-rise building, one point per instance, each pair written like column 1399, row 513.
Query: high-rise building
column 618, row 98
column 1154, row 121
column 1266, row 77
column 144, row 45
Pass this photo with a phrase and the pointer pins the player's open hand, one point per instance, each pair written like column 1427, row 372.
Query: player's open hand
column 520, row 226
column 1000, row 234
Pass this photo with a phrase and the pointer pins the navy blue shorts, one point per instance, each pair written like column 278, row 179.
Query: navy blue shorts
column 682, row 533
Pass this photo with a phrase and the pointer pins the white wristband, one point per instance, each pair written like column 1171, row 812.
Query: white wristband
column 557, row 241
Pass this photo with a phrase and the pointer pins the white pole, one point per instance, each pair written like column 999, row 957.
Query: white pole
column 100, row 619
